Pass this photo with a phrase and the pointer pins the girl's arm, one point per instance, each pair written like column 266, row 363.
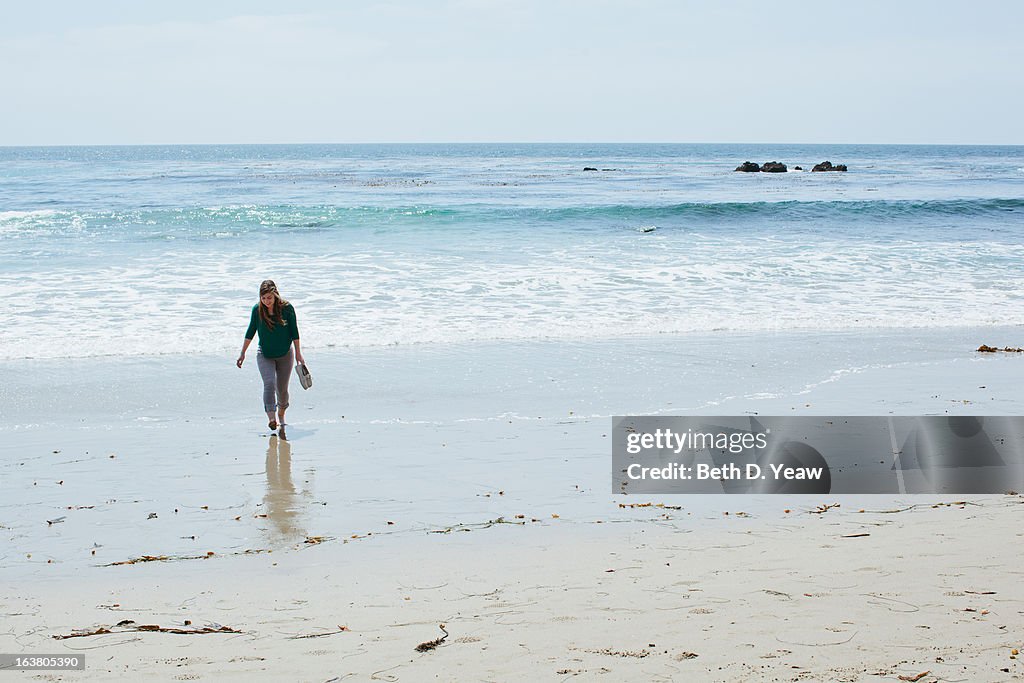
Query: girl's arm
column 294, row 331
column 249, row 334
column 241, row 356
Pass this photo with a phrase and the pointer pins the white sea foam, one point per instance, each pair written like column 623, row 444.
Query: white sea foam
column 199, row 301
column 16, row 223
column 33, row 214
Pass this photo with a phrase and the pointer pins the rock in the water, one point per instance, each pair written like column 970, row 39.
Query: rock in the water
column 985, row 348
column 827, row 166
column 748, row 167
column 589, row 168
column 773, row 167
column 798, row 168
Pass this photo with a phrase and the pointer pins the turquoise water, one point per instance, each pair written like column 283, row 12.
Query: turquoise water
column 153, row 250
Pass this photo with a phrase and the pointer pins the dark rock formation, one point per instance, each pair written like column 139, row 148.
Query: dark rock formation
column 773, row 167
column 827, row 166
column 589, row 168
column 748, row 167
column 798, row 168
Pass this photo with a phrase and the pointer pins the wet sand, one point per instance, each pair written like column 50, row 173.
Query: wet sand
column 394, row 506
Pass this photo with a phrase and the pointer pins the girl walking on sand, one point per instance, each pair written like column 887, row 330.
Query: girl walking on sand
column 274, row 319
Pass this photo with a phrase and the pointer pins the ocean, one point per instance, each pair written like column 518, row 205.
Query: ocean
column 137, row 251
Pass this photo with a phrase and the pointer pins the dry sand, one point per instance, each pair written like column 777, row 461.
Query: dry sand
column 649, row 594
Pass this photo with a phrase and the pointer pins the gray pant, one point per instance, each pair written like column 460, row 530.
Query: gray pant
column 275, row 373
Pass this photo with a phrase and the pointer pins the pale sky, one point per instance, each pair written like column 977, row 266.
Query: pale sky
column 104, row 72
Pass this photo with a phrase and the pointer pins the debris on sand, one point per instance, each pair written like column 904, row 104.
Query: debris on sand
column 650, row 505
column 636, row 654
column 176, row 558
column 129, row 626
column 341, row 629
column 483, row 525
column 316, row 540
column 432, row 644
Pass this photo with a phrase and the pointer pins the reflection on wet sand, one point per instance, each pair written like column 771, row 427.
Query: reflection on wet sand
column 281, row 504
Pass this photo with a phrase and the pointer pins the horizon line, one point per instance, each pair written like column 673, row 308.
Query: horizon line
column 507, row 142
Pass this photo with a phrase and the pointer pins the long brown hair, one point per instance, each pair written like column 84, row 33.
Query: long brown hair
column 273, row 316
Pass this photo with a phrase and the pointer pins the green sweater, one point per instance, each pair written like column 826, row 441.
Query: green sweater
column 274, row 343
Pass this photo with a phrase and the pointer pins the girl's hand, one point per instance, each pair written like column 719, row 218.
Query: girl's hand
column 299, row 358
column 241, row 358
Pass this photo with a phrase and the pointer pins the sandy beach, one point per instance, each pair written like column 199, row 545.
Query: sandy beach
column 850, row 594
column 401, row 502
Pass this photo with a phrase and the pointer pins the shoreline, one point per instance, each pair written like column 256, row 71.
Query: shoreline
column 376, row 372
column 697, row 336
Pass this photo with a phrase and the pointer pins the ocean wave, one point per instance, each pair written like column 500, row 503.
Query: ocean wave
column 796, row 209
column 219, row 221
